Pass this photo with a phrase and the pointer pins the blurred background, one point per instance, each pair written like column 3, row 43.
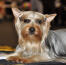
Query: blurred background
column 8, row 35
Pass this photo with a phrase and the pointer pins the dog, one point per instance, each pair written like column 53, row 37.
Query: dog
column 36, row 42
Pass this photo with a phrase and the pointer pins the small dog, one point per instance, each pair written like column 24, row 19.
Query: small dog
column 36, row 42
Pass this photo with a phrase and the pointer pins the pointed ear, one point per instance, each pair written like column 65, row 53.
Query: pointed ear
column 16, row 12
column 49, row 17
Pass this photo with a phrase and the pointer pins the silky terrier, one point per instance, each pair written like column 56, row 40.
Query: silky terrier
column 36, row 43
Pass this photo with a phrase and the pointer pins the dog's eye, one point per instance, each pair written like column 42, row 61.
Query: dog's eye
column 26, row 20
column 39, row 21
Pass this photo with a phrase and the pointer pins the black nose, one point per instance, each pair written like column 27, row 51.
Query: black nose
column 32, row 30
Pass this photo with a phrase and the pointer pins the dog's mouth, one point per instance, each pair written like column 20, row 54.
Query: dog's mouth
column 32, row 34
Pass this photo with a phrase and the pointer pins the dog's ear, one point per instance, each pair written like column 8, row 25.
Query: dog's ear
column 49, row 17
column 16, row 12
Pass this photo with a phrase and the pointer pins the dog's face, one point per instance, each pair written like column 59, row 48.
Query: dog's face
column 32, row 26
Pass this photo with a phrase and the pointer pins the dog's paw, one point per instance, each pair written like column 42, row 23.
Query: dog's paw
column 15, row 59
column 18, row 59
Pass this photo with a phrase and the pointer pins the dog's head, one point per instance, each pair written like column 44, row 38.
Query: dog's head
column 32, row 26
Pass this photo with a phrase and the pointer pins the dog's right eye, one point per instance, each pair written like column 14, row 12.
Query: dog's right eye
column 26, row 20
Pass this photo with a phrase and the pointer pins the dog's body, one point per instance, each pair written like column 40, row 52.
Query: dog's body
column 56, row 42
column 36, row 42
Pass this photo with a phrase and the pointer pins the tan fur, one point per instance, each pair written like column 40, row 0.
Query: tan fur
column 27, row 37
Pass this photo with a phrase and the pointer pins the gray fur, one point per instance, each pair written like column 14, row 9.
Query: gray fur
column 56, row 43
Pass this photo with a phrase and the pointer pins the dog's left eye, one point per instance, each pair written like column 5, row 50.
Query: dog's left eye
column 26, row 20
column 38, row 21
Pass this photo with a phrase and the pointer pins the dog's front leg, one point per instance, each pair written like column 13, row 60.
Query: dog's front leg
column 36, row 58
column 15, row 57
column 19, row 59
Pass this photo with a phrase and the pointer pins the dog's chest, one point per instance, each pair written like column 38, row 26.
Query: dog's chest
column 30, row 50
